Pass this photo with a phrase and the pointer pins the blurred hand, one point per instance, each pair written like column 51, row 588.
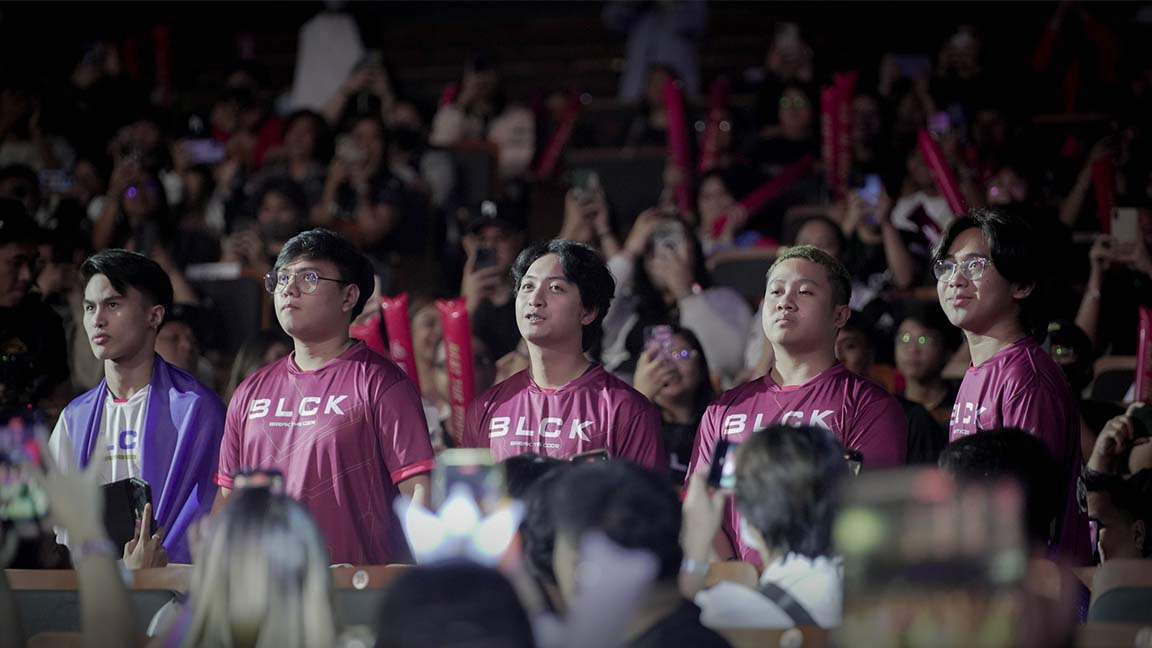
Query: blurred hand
column 146, row 551
column 646, row 222
column 246, row 248
column 478, row 285
column 74, row 498
column 1102, row 254
column 356, row 81
column 673, row 270
column 703, row 509
column 654, row 372
column 1115, row 441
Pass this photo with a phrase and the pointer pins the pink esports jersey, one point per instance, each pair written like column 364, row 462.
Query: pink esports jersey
column 343, row 436
column 595, row 411
column 859, row 412
column 1022, row 387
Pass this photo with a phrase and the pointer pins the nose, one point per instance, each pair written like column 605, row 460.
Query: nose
column 957, row 279
column 537, row 297
column 785, row 302
column 24, row 271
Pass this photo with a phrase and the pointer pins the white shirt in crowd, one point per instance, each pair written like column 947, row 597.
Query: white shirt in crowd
column 122, row 434
column 817, row 585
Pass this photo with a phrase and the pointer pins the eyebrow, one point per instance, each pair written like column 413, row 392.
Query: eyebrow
column 299, row 269
column 967, row 256
column 89, row 302
column 800, row 280
column 548, row 278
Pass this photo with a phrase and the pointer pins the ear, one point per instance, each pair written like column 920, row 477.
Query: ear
column 1139, row 536
column 588, row 316
column 840, row 316
column 1021, row 291
column 350, row 298
column 155, row 317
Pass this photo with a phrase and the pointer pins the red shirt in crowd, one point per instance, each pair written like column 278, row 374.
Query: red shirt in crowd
column 859, row 412
column 1022, row 387
column 343, row 436
column 595, row 411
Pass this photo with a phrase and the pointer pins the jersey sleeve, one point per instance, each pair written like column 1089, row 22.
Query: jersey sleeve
column 1043, row 413
column 640, row 438
column 706, row 436
column 473, row 436
column 231, row 444
column 402, row 431
column 879, row 431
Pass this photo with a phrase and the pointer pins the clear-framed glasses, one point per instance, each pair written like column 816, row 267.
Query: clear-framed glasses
column 972, row 268
column 907, row 339
column 306, row 281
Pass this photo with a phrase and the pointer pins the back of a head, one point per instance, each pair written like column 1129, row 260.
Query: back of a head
column 521, row 472
column 1011, row 454
column 538, row 527
column 320, row 244
column 633, row 507
column 582, row 266
column 452, row 605
column 126, row 270
column 788, row 480
column 263, row 578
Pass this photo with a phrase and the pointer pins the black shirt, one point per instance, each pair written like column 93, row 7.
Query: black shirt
column 33, row 353
column 496, row 327
column 681, row 628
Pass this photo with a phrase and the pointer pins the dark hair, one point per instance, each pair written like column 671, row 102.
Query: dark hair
column 705, row 392
column 126, row 270
column 320, row 244
column 452, row 605
column 838, row 277
column 788, row 486
column 582, row 266
column 322, row 150
column 521, row 472
column 290, row 190
column 15, row 224
column 634, row 508
column 538, row 528
column 25, row 173
column 1015, row 253
column 1011, row 453
column 797, row 225
column 1065, row 333
column 932, row 317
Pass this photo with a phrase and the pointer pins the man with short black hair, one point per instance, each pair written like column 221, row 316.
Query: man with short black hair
column 564, row 404
column 33, row 351
column 343, row 424
column 153, row 420
column 635, row 509
column 990, row 279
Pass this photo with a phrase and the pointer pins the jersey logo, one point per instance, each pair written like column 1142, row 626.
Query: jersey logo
column 549, row 428
column 308, row 406
column 738, row 423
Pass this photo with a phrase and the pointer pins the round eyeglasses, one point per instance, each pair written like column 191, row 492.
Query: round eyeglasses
column 972, row 268
column 306, row 281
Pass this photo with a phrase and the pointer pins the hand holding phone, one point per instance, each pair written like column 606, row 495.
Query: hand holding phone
column 722, row 471
column 124, row 506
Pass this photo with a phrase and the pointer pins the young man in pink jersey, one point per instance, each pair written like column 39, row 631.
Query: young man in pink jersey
column 989, row 279
column 564, row 404
column 343, row 424
column 805, row 305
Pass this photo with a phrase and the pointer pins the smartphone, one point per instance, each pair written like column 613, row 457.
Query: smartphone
column 268, row 478
column 661, row 336
column 204, row 151
column 668, row 238
column 485, row 258
column 855, row 460
column 722, row 472
column 1125, row 224
column 23, row 505
column 470, row 470
column 123, row 505
column 592, row 456
column 1142, row 422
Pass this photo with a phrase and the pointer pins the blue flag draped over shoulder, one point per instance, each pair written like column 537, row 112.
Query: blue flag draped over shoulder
column 183, row 426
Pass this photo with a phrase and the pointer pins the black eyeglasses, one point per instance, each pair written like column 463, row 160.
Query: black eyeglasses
column 279, row 281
